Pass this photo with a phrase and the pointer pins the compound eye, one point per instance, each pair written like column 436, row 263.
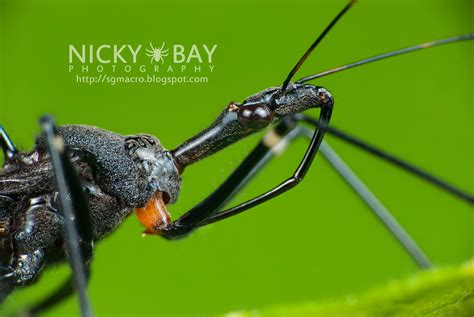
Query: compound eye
column 255, row 116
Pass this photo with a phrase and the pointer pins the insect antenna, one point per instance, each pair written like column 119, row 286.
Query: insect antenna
column 392, row 159
column 77, row 221
column 313, row 46
column 453, row 39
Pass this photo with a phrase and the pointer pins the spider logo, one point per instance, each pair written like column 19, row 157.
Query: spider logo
column 157, row 54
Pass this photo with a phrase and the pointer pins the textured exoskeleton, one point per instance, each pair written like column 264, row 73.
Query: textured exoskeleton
column 118, row 173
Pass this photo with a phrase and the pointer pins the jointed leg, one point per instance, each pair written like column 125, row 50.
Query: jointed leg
column 79, row 232
column 283, row 133
column 256, row 159
column 205, row 212
column 398, row 232
column 6, row 144
column 208, row 210
column 381, row 212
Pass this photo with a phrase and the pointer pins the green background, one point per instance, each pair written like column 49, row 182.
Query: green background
column 319, row 241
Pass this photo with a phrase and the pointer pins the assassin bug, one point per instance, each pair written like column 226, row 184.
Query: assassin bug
column 141, row 174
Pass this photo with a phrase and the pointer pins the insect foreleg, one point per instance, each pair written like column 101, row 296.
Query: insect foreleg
column 207, row 211
column 250, row 166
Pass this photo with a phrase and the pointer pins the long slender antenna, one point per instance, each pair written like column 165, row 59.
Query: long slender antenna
column 408, row 167
column 67, row 199
column 313, row 46
column 389, row 54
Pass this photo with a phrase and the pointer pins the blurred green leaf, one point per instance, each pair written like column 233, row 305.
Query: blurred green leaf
column 441, row 292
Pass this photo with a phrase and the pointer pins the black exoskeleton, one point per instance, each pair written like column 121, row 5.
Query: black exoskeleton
column 118, row 173
column 43, row 202
column 121, row 173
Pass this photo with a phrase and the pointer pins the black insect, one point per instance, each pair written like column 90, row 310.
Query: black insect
column 79, row 182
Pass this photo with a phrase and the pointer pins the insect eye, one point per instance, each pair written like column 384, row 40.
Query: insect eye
column 255, row 116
